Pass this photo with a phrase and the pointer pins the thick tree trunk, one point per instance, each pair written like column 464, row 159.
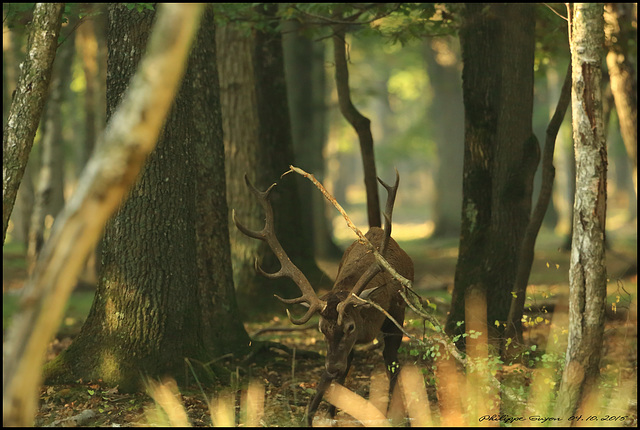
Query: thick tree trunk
column 28, row 102
column 220, row 327
column 128, row 141
column 501, row 155
column 587, row 272
column 155, row 297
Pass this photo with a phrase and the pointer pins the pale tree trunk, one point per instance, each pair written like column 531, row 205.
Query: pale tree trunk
column 28, row 102
column 49, row 198
column 587, row 272
column 622, row 74
column 130, row 138
column 24, row 201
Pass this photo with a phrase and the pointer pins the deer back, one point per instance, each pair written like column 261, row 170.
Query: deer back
column 383, row 289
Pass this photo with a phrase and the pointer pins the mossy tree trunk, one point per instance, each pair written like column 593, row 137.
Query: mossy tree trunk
column 500, row 157
column 164, row 290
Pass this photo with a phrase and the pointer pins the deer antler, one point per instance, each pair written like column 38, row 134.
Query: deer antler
column 287, row 269
column 373, row 270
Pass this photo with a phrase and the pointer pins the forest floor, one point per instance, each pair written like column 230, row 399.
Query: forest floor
column 289, row 376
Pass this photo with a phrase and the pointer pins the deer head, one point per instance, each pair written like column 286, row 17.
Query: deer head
column 346, row 318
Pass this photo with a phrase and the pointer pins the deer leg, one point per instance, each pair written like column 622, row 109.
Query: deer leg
column 325, row 381
column 392, row 341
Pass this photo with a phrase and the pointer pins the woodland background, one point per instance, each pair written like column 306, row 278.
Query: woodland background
column 261, row 84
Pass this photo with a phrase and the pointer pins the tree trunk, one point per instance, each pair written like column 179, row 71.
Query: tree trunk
column 360, row 123
column 164, row 285
column 28, row 102
column 447, row 116
column 88, row 50
column 623, row 82
column 131, row 136
column 49, row 197
column 526, row 253
column 500, row 158
column 21, row 215
column 587, row 272
column 258, row 143
column 91, row 44
column 304, row 65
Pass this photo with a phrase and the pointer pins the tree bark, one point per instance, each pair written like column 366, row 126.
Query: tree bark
column 587, row 272
column 28, row 102
column 500, row 158
column 164, row 291
column 129, row 139
column 221, row 328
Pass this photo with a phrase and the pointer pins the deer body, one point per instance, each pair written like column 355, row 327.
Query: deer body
column 345, row 317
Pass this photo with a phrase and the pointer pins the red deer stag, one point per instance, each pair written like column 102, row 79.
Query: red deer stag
column 345, row 319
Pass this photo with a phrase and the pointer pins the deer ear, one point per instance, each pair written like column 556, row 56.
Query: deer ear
column 366, row 293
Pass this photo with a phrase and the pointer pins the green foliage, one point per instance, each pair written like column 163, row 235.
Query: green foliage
column 140, row 6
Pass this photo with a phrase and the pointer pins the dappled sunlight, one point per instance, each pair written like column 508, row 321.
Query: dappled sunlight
column 400, row 231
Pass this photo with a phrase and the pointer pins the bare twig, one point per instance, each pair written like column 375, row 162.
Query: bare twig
column 556, row 12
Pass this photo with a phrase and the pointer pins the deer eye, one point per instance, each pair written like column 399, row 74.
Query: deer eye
column 349, row 328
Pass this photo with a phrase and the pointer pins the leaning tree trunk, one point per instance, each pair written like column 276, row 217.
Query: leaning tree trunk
column 360, row 123
column 157, row 304
column 500, row 158
column 28, row 102
column 587, row 272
